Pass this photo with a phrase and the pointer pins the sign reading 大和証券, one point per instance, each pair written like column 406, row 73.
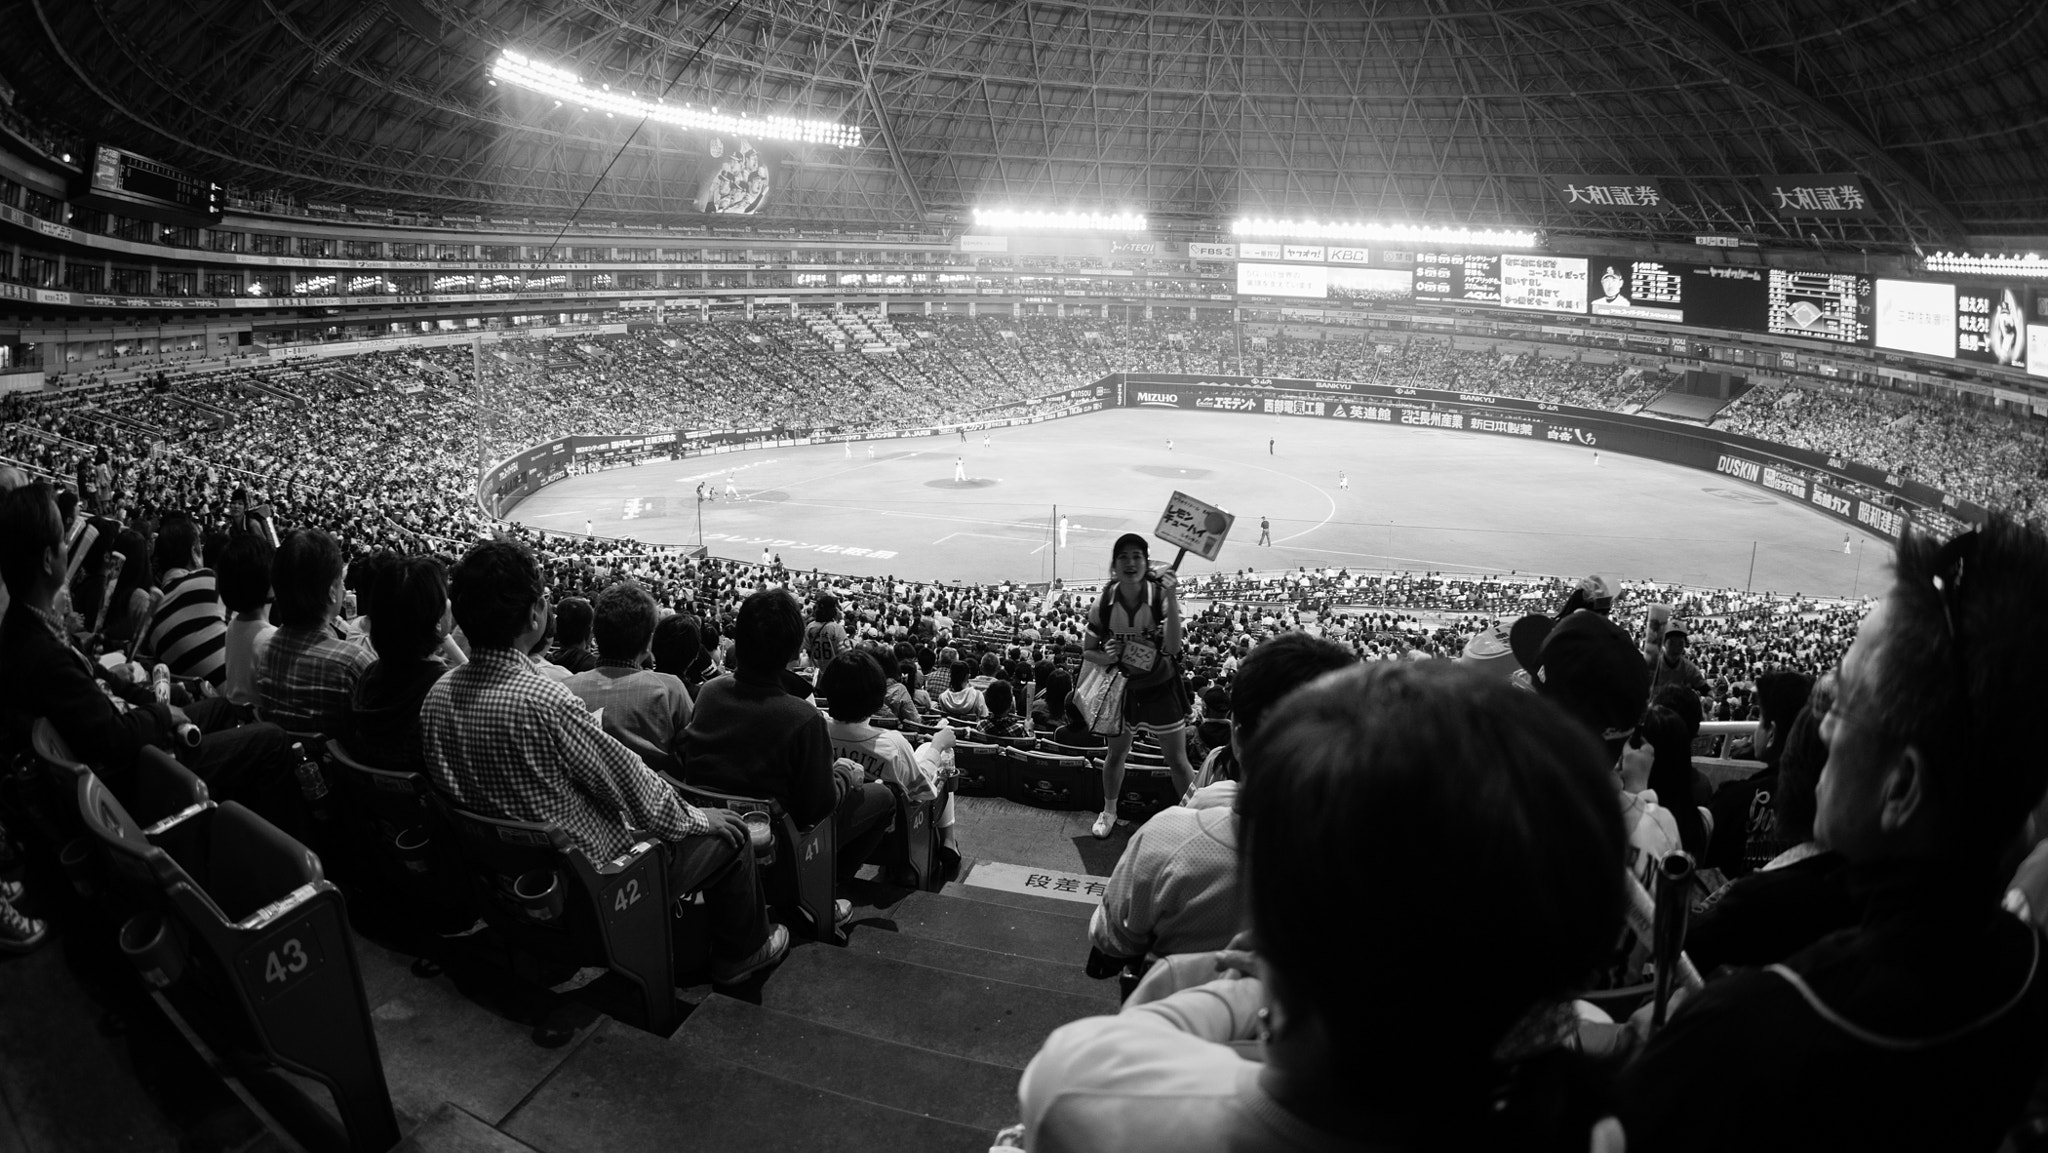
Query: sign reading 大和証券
column 1194, row 525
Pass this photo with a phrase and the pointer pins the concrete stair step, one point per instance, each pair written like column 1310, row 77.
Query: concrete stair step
column 631, row 1092
column 1055, row 936
column 449, row 1129
column 979, row 1018
column 911, row 1078
column 1066, row 976
column 1053, row 905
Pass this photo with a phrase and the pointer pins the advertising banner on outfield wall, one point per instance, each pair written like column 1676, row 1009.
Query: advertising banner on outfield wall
column 1772, row 467
column 513, row 479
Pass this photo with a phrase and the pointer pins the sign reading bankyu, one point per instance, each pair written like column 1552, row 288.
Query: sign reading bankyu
column 1194, row 525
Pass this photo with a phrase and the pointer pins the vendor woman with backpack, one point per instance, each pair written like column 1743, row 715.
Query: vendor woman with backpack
column 1134, row 628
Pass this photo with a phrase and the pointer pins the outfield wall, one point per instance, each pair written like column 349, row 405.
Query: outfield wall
column 502, row 486
column 1789, row 472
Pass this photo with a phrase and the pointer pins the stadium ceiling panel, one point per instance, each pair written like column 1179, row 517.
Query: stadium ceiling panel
column 1449, row 112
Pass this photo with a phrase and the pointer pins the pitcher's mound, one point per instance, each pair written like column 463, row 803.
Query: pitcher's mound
column 970, row 482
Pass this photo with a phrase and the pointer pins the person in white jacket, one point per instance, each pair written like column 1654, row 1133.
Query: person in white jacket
column 853, row 686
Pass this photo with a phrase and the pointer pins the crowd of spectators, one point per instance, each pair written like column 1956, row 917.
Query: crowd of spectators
column 1985, row 455
column 332, row 515
column 779, row 373
column 1836, row 948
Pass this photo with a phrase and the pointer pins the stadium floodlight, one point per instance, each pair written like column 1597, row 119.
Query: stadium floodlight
column 2030, row 264
column 521, row 71
column 1020, row 219
column 1382, row 233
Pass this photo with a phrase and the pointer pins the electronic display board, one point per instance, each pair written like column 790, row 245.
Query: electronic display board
column 1308, row 280
column 2037, row 331
column 1457, row 277
column 1991, row 324
column 1543, row 283
column 1640, row 290
column 1727, row 297
column 1371, row 283
column 1831, row 306
column 122, row 182
column 1918, row 316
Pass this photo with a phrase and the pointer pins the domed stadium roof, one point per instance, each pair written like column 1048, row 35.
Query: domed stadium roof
column 1448, row 112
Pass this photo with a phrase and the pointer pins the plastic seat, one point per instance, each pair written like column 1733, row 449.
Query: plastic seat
column 169, row 802
column 1053, row 780
column 400, row 841
column 804, row 871
column 534, row 885
column 984, row 772
column 166, row 792
column 1147, row 788
column 913, row 840
column 51, row 747
column 269, row 939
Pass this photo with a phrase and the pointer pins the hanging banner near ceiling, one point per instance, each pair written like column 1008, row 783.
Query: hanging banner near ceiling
column 1601, row 194
column 1832, row 194
column 743, row 176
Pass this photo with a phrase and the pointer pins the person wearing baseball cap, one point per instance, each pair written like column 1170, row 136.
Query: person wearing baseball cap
column 1594, row 592
column 1589, row 667
column 1670, row 666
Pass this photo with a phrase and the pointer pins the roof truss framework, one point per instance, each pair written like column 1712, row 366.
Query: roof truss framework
column 1437, row 111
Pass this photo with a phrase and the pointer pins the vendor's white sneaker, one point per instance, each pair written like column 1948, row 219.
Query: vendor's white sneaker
column 1104, row 824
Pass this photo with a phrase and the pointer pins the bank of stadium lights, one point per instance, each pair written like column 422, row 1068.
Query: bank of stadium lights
column 2029, row 265
column 560, row 84
column 1017, row 220
column 1381, row 233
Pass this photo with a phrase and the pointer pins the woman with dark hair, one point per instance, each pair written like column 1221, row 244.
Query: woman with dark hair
column 678, row 650
column 1663, row 741
column 824, row 637
column 899, row 700
column 363, row 574
column 962, row 702
column 1653, row 831
column 1135, row 627
column 411, row 622
column 1370, row 1041
column 1049, row 703
column 1742, row 809
column 133, row 598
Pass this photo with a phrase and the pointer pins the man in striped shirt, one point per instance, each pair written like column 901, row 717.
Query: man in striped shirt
column 189, row 630
column 502, row 740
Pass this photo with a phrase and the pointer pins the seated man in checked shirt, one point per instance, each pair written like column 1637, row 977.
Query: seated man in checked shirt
column 504, row 741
